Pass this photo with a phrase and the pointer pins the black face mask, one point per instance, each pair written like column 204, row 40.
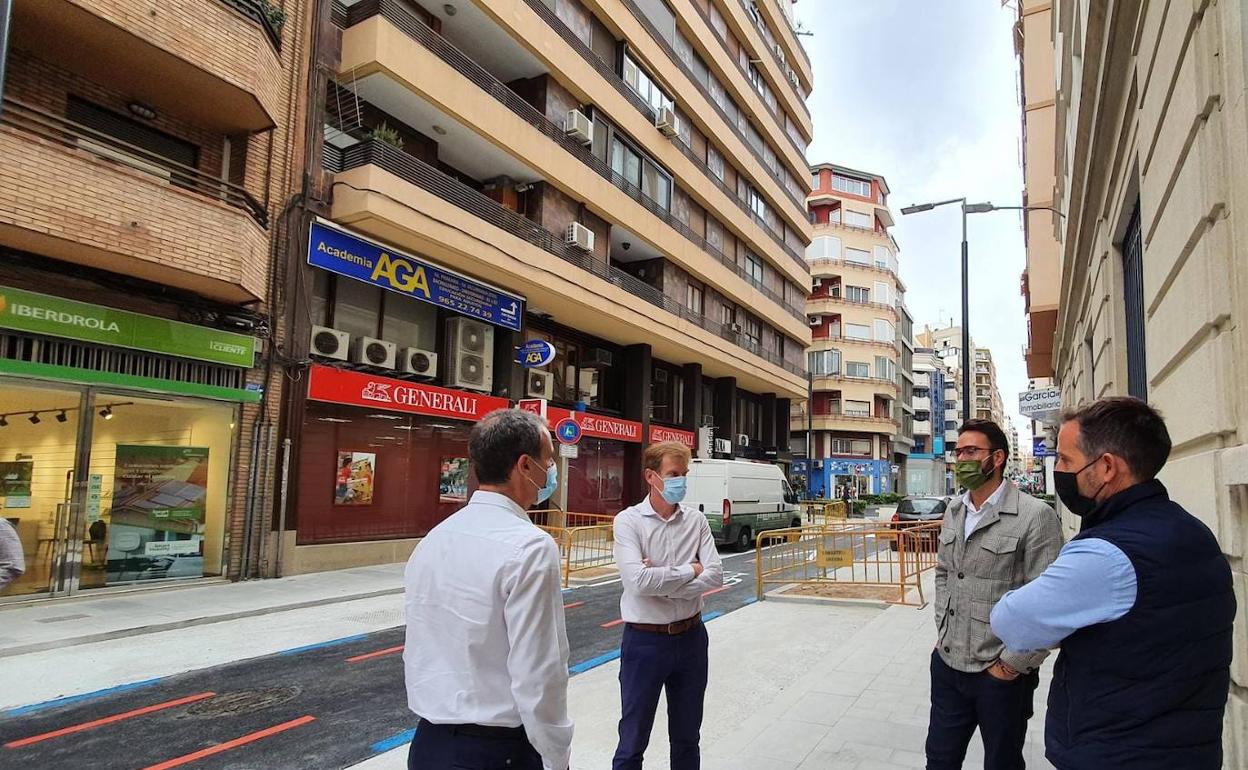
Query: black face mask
column 1067, row 484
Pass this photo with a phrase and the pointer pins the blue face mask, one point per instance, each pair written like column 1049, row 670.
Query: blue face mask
column 552, row 482
column 674, row 489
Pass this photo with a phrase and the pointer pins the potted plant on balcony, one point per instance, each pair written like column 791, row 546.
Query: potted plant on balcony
column 274, row 13
column 384, row 133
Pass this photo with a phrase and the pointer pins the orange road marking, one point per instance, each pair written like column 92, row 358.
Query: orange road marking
column 377, row 654
column 107, row 720
column 220, row 747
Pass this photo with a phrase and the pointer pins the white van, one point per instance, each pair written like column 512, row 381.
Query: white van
column 741, row 499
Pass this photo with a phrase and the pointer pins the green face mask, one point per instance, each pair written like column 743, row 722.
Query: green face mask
column 970, row 474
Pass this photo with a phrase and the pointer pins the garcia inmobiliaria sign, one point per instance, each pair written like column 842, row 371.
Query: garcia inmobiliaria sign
column 28, row 311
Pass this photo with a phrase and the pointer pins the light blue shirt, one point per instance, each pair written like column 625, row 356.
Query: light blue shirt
column 1092, row 581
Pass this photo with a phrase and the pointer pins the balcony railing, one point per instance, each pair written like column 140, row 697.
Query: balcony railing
column 854, row 341
column 850, row 302
column 751, row 10
column 777, row 111
column 877, row 381
column 659, row 38
column 571, row 38
column 257, row 11
column 840, row 264
column 65, row 132
column 407, row 22
column 411, row 169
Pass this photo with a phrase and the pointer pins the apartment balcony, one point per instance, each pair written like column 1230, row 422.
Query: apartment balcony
column 843, row 422
column 77, row 195
column 391, row 195
column 827, row 305
column 841, row 342
column 214, row 63
column 922, row 404
column 856, row 388
column 831, row 267
column 395, row 61
column 1041, row 328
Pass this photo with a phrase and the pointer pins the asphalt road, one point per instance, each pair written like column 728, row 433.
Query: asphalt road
column 325, row 706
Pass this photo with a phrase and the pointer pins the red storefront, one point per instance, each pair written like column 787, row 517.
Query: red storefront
column 594, row 479
column 381, row 458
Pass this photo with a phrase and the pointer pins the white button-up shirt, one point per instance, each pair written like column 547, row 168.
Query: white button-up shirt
column 486, row 641
column 975, row 515
column 665, row 591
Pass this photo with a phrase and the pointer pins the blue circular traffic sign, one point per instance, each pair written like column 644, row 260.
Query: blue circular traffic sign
column 568, row 431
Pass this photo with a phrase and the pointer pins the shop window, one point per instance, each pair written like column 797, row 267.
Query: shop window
column 357, row 306
column 582, row 372
column 408, row 323
column 595, row 482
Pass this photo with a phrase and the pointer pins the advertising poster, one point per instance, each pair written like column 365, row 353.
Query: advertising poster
column 355, row 480
column 156, row 523
column 15, row 483
column 453, row 480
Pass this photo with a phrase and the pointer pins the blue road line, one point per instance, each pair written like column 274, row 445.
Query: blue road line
column 708, row 617
column 48, row 704
column 750, row 600
column 595, row 662
column 393, row 742
column 320, row 645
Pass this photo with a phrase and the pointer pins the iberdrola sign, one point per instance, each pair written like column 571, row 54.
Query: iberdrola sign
column 28, row 311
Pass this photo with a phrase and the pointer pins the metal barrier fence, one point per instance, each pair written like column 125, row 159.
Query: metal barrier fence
column 890, row 556
column 819, row 512
column 586, row 540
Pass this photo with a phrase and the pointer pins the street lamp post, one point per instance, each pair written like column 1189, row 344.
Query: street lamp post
column 970, row 208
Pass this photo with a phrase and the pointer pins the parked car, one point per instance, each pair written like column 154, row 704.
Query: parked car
column 913, row 509
column 741, row 499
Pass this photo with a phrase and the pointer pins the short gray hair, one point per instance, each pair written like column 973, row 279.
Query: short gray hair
column 500, row 439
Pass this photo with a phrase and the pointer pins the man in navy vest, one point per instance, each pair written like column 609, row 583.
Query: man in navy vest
column 1140, row 602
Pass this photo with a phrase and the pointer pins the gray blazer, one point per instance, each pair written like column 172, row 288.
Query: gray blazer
column 1009, row 548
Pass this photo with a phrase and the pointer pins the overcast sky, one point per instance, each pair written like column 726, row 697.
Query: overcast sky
column 928, row 98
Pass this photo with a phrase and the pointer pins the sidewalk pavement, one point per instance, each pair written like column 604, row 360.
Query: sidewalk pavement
column 792, row 685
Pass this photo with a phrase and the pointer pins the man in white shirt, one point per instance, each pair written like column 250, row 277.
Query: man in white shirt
column 486, row 657
column 667, row 559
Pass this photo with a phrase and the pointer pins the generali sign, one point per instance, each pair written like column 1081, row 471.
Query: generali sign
column 596, row 425
column 339, row 386
column 659, row 433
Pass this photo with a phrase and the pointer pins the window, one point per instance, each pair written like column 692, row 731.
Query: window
column 715, row 162
column 694, row 299
column 951, row 425
column 641, row 172
column 858, row 256
column 882, row 292
column 857, row 294
column 860, row 447
column 857, row 369
column 814, row 181
column 857, row 331
column 727, row 315
column 885, row 369
column 644, row 85
column 157, row 143
column 859, row 219
column 1133, row 289
column 857, row 408
column 754, row 269
column 852, row 186
column 825, row 363
column 754, row 330
column 834, row 216
column 883, row 258
column 824, row 247
column 756, row 202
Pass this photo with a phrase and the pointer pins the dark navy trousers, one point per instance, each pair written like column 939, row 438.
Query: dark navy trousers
column 442, row 747
column 649, row 664
column 961, row 702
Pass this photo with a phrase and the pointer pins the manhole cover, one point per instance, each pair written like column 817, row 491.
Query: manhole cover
column 242, row 702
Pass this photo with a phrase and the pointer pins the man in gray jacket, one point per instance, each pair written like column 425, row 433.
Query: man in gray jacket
column 994, row 539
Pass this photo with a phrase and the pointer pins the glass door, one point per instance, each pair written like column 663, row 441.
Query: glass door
column 40, row 490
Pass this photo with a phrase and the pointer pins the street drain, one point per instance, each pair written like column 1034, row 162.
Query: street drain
column 242, row 702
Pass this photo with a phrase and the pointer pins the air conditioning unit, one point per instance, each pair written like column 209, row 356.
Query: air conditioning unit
column 419, row 362
column 779, row 52
column 818, row 282
column 735, row 328
column 470, row 350
column 743, row 439
column 816, row 320
column 329, row 343
column 374, row 352
column 667, row 122
column 793, row 79
column 723, row 445
column 706, row 440
column 579, row 127
column 539, row 384
column 580, row 236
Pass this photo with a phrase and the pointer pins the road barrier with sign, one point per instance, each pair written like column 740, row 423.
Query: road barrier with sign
column 863, row 560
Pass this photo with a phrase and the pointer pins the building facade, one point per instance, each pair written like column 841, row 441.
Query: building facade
column 150, row 155
column 852, row 418
column 988, row 404
column 925, row 467
column 1151, row 113
column 614, row 191
column 903, row 443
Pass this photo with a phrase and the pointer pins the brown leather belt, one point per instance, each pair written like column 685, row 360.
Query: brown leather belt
column 668, row 629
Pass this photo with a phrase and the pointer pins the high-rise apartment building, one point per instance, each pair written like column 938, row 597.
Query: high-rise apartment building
column 852, row 418
column 988, row 403
column 596, row 211
column 150, row 154
column 926, row 466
